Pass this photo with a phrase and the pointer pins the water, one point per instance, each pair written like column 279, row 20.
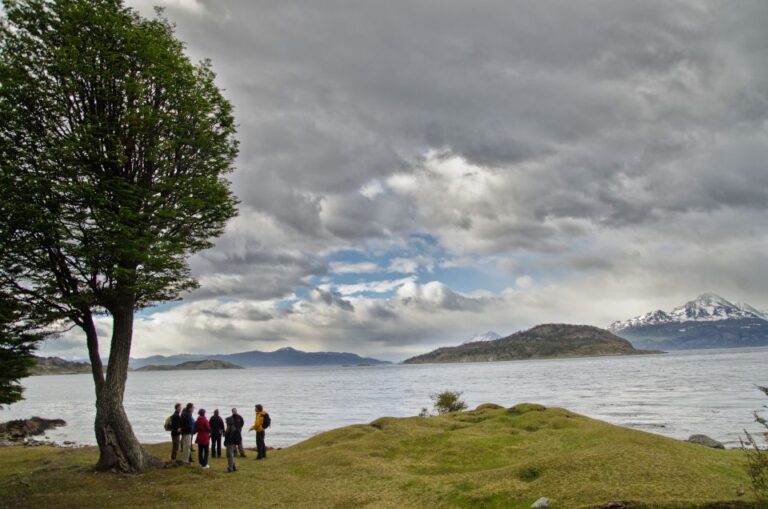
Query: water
column 677, row 394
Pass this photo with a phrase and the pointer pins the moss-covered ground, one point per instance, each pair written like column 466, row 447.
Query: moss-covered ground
column 489, row 457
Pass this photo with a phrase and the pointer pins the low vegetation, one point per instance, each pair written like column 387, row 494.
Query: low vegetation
column 488, row 457
column 448, row 401
column 757, row 458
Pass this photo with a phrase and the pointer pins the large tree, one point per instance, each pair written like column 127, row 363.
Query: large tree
column 113, row 152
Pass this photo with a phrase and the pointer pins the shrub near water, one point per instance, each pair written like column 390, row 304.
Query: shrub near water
column 448, row 401
column 757, row 459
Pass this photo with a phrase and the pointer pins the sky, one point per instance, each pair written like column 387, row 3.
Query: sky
column 415, row 172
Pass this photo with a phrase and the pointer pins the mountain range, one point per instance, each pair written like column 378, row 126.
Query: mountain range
column 709, row 321
column 541, row 342
column 282, row 357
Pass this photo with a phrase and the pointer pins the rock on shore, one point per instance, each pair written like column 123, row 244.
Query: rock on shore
column 21, row 429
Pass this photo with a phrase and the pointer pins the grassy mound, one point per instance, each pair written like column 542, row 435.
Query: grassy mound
column 490, row 457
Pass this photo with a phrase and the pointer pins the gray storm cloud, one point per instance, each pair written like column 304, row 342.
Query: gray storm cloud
column 617, row 145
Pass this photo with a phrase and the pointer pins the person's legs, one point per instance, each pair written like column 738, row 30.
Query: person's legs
column 216, row 447
column 206, row 455
column 186, row 448
column 175, row 450
column 230, row 458
column 241, row 450
column 261, row 446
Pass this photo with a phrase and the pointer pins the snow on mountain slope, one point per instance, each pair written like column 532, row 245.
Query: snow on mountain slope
column 488, row 336
column 707, row 307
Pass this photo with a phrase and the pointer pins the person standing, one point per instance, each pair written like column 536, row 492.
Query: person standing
column 238, row 419
column 175, row 430
column 217, row 430
column 232, row 440
column 259, row 426
column 203, row 440
column 187, row 430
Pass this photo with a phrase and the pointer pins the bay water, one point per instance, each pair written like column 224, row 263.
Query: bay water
column 675, row 394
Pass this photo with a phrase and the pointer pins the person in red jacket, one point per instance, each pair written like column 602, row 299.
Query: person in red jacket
column 203, row 440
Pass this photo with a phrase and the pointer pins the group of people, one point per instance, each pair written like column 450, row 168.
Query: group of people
column 209, row 433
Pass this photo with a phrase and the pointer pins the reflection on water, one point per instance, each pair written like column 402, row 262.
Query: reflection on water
column 678, row 394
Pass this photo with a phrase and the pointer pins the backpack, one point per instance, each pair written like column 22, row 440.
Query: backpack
column 167, row 425
column 267, row 421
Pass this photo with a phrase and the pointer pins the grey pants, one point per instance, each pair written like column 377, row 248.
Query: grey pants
column 186, row 448
column 231, row 458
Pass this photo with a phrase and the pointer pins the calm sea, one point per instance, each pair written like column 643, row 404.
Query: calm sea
column 676, row 394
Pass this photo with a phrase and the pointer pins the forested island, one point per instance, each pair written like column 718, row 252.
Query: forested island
column 191, row 365
column 541, row 342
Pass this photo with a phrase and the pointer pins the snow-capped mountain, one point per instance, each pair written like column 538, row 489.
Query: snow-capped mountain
column 707, row 307
column 487, row 336
column 709, row 321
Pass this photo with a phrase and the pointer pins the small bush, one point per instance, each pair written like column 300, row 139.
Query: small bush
column 448, row 401
column 757, row 458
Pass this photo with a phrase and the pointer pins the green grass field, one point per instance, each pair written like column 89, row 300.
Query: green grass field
column 490, row 457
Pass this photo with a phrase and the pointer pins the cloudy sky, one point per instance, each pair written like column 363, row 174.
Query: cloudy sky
column 414, row 172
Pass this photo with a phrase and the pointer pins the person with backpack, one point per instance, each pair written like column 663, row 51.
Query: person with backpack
column 263, row 421
column 173, row 424
column 240, row 422
column 187, row 430
column 203, row 440
column 217, row 430
column 232, row 440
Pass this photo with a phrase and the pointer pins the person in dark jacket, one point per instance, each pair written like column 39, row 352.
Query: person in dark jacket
column 176, row 430
column 238, row 419
column 232, row 440
column 217, row 430
column 203, row 440
column 187, row 430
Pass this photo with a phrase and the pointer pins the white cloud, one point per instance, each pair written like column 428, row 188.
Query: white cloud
column 382, row 286
column 372, row 189
column 354, row 268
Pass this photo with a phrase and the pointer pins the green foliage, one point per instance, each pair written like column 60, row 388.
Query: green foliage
column 757, row 458
column 18, row 337
column 113, row 147
column 448, row 401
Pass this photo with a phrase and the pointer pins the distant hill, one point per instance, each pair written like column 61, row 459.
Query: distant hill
column 282, row 357
column 191, row 365
column 58, row 366
column 709, row 321
column 540, row 342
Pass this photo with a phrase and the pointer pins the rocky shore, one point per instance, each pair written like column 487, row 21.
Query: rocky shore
column 25, row 431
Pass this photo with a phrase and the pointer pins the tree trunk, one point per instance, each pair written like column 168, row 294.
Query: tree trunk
column 119, row 449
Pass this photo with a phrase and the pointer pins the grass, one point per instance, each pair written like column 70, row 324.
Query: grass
column 490, row 457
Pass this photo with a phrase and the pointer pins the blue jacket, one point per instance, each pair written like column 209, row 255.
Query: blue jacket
column 187, row 423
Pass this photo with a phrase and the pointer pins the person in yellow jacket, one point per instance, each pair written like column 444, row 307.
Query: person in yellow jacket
column 259, row 426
